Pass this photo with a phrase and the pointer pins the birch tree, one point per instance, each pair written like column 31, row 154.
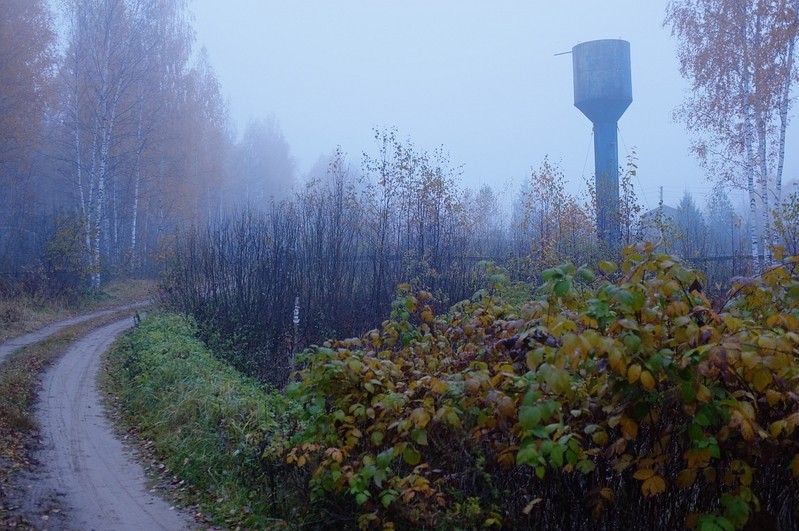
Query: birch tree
column 98, row 74
column 739, row 57
column 123, row 82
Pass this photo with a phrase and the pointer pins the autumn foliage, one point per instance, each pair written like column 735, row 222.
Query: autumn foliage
column 617, row 399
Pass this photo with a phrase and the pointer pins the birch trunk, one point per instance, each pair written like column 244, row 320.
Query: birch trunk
column 136, row 187
column 749, row 156
column 787, row 82
column 763, row 175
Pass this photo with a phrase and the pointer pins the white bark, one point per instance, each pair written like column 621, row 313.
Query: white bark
column 787, row 82
column 749, row 155
column 136, row 187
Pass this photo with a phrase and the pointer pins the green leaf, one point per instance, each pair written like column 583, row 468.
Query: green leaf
column 388, row 496
column 586, row 274
column 527, row 455
column 586, row 466
column 549, row 274
column 557, row 455
column 384, row 459
column 562, row 287
column 529, row 416
column 411, row 456
column 608, row 267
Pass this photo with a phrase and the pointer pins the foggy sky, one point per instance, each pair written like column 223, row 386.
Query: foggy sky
column 480, row 78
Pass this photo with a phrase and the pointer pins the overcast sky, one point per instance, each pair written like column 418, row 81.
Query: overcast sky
column 480, row 78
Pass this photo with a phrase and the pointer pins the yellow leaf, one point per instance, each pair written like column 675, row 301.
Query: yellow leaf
column 698, row 458
column 644, row 474
column 616, row 360
column 791, row 421
column 795, row 465
column 772, row 321
column 761, row 379
column 533, row 503
column 653, row 486
column 606, row 493
column 738, row 420
column 703, row 394
column 629, row 428
column 647, row 380
column 686, row 478
column 749, row 359
column 767, row 342
column 633, row 373
column 776, row 428
column 439, row 386
column 600, row 438
column 772, row 397
column 420, row 417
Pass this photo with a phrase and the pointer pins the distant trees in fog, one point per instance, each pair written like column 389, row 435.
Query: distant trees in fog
column 122, row 125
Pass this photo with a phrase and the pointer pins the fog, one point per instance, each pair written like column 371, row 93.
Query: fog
column 484, row 82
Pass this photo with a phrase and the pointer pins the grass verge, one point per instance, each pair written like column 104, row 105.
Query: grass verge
column 217, row 433
column 19, row 383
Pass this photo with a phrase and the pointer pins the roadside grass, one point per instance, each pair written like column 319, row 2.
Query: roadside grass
column 217, row 434
column 19, row 384
column 24, row 313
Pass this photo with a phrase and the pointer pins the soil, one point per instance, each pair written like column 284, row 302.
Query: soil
column 82, row 476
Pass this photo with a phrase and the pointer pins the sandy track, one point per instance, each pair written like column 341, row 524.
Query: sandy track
column 83, row 469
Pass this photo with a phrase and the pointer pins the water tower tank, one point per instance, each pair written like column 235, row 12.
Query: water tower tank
column 603, row 91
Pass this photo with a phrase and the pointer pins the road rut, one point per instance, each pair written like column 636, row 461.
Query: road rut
column 83, row 468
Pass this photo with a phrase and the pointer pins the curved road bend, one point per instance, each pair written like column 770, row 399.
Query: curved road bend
column 81, row 464
column 30, row 338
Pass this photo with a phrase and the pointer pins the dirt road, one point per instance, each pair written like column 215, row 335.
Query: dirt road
column 38, row 335
column 84, row 478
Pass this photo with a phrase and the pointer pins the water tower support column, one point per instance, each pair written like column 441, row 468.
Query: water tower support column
column 607, row 181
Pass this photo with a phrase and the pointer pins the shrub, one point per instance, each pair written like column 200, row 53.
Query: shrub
column 611, row 400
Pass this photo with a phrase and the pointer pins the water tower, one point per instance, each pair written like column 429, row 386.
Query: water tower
column 603, row 91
